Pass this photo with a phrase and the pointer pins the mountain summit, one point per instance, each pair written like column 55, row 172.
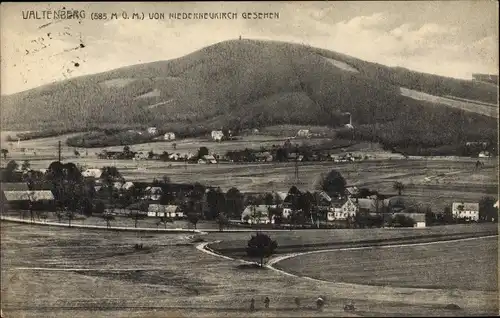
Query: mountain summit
column 253, row 83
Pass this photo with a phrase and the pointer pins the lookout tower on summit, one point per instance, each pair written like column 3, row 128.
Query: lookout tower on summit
column 349, row 125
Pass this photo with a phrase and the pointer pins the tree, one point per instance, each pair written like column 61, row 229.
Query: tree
column 136, row 216
column 174, row 145
column 203, row 151
column 59, row 215
column 70, row 215
column 398, row 186
column 222, row 221
column 268, row 199
column 333, row 183
column 401, row 220
column 164, row 220
column 487, row 211
column 261, row 246
column 108, row 217
column 193, row 218
column 126, row 149
column 4, row 153
column 11, row 166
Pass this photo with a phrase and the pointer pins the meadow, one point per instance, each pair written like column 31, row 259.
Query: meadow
column 466, row 265
column 75, row 272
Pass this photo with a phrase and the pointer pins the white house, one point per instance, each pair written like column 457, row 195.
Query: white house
column 169, row 136
column 349, row 208
column 287, row 211
column 304, row 133
column 217, row 135
column 92, row 173
column 153, row 193
column 152, row 130
column 257, row 214
column 484, row 154
column 465, row 210
column 336, row 213
column 156, row 210
column 173, row 211
column 419, row 219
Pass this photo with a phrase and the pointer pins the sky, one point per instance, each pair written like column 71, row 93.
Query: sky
column 447, row 38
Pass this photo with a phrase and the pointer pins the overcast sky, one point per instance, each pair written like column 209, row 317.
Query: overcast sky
column 448, row 38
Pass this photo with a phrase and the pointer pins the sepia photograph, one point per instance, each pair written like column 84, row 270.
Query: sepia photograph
column 249, row 159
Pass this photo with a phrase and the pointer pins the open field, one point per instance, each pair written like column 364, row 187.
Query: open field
column 82, row 273
column 469, row 265
column 308, row 240
column 47, row 147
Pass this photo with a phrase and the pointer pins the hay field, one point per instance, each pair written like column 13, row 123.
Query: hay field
column 81, row 273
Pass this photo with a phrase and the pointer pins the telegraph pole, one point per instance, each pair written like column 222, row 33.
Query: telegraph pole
column 296, row 165
column 59, row 150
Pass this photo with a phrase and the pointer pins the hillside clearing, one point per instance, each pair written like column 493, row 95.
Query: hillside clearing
column 467, row 105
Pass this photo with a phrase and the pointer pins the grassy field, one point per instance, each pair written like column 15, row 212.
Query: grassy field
column 68, row 272
column 300, row 240
column 468, row 265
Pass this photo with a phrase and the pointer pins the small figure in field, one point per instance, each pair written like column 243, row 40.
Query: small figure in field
column 252, row 304
column 266, row 302
column 297, row 302
column 349, row 307
column 320, row 302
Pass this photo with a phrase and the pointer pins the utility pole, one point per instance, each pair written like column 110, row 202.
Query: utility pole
column 59, row 150
column 296, row 165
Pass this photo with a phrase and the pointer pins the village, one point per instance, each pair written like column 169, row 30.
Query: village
column 69, row 191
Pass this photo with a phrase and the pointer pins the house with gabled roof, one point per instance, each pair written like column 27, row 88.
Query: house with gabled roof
column 465, row 210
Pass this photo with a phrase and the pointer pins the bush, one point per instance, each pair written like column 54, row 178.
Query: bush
column 400, row 220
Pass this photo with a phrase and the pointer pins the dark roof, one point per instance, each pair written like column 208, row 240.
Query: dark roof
column 14, row 186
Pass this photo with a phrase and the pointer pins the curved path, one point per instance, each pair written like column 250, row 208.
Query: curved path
column 415, row 296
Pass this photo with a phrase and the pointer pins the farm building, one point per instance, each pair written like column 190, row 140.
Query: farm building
column 209, row 159
column 257, row 214
column 395, row 204
column 18, row 195
column 465, row 210
column 152, row 130
column 169, row 211
column 306, row 133
column 169, row 136
column 484, row 154
column 351, row 191
column 92, row 173
column 153, row 193
column 264, row 156
column 217, row 135
column 335, row 214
